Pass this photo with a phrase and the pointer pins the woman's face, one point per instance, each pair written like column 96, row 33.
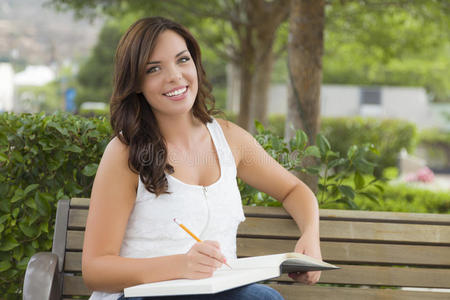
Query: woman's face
column 170, row 82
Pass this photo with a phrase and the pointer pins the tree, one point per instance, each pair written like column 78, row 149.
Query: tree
column 403, row 43
column 95, row 75
column 244, row 35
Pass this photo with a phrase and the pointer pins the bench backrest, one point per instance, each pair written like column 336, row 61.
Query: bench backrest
column 374, row 249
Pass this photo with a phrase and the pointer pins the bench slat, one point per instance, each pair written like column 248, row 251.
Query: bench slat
column 74, row 286
column 357, row 215
column 329, row 230
column 295, row 292
column 355, row 253
column 347, row 230
column 349, row 274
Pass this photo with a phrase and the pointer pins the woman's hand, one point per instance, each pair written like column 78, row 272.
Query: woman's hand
column 308, row 244
column 202, row 260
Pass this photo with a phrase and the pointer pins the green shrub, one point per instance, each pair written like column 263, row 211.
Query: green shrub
column 437, row 146
column 390, row 136
column 42, row 159
column 333, row 169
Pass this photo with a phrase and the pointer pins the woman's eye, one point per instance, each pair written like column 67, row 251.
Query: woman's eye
column 184, row 59
column 152, row 70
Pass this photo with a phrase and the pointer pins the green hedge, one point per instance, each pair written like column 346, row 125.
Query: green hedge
column 389, row 136
column 42, row 159
column 403, row 198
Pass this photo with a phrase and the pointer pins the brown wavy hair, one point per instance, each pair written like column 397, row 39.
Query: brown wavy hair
column 132, row 118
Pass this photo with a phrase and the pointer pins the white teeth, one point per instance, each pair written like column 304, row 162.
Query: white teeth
column 176, row 93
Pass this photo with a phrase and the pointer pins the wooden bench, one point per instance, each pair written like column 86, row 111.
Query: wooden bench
column 379, row 252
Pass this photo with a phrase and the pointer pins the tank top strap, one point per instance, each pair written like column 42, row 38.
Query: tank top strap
column 226, row 157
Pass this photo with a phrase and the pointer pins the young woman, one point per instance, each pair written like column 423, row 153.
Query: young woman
column 171, row 159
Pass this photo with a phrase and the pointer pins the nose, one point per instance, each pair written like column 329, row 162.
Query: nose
column 174, row 73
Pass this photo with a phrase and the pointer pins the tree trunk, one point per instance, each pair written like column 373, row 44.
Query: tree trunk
column 256, row 30
column 305, row 50
column 247, row 70
column 245, row 96
column 261, row 81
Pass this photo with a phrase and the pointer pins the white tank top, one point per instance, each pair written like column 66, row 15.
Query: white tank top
column 211, row 212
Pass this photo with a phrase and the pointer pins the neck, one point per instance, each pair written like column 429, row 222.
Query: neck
column 180, row 130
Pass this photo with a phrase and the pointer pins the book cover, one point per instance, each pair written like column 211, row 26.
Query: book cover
column 244, row 271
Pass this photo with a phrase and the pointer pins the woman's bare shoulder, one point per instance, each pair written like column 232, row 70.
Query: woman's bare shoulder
column 233, row 132
column 237, row 138
column 115, row 161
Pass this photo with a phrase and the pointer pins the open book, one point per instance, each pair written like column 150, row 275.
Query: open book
column 244, row 271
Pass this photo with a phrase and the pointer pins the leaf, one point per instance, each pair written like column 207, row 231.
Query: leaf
column 5, row 265
column 18, row 195
column 336, row 162
column 301, row 139
column 35, row 244
column 323, row 143
column 72, row 148
column 373, row 149
column 56, row 126
column 29, row 231
column 370, row 197
column 312, row 151
column 22, row 265
column 331, row 154
column 313, row 170
column 18, row 253
column 15, row 212
column 347, row 202
column 359, row 181
column 90, row 170
column 30, row 188
column 31, row 203
column 3, row 218
column 259, row 126
column 42, row 200
column 352, row 151
column 379, row 187
column 275, row 141
column 347, row 191
column 364, row 166
column 3, row 157
column 8, row 243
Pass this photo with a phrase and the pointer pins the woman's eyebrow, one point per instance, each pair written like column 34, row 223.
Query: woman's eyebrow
column 158, row 62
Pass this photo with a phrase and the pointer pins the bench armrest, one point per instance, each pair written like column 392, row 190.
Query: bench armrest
column 42, row 278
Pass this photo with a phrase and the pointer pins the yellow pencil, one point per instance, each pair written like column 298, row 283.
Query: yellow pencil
column 192, row 235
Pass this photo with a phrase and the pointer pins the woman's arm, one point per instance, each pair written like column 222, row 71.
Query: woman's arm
column 260, row 170
column 112, row 200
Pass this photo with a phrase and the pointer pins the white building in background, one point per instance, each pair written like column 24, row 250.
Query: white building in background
column 407, row 103
column 37, row 75
column 6, row 87
column 33, row 75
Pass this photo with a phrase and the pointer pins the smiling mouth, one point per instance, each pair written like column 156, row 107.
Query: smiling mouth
column 176, row 92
